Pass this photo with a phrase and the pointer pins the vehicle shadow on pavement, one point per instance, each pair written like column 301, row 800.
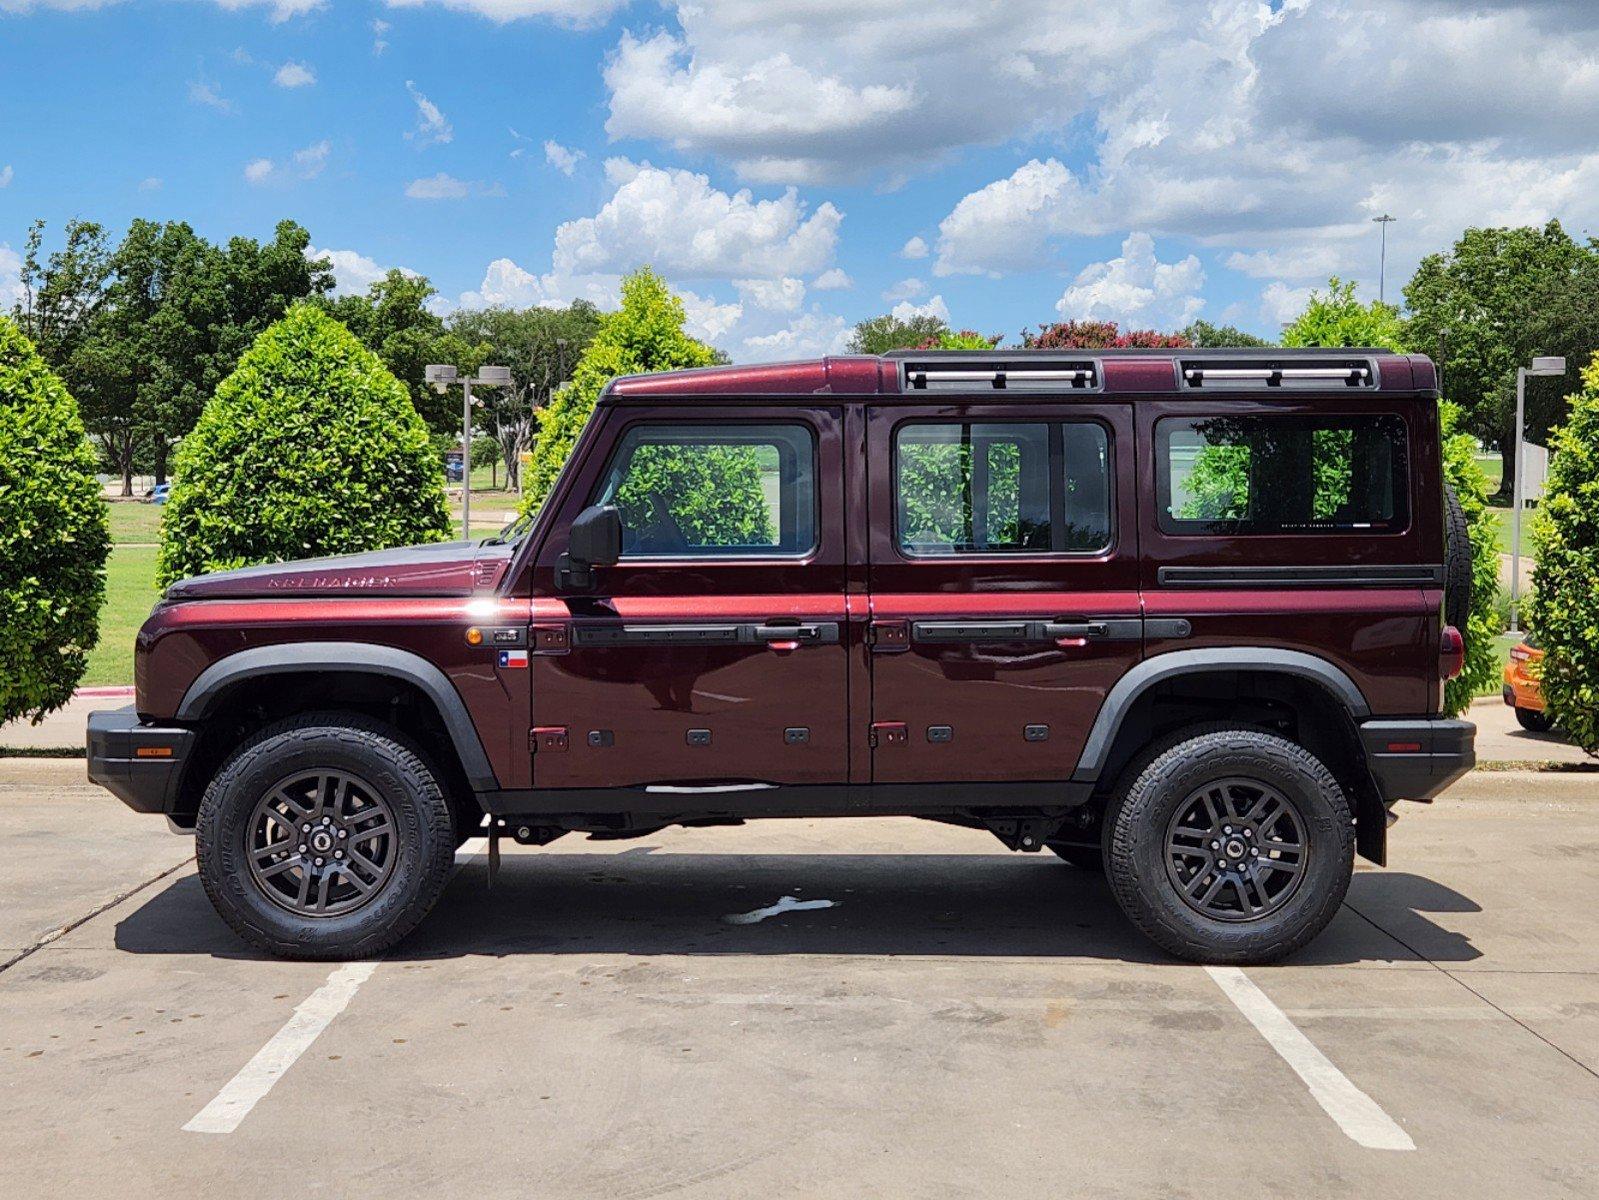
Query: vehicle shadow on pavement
column 647, row 903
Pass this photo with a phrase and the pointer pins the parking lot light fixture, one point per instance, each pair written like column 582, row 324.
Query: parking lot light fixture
column 441, row 377
column 1546, row 365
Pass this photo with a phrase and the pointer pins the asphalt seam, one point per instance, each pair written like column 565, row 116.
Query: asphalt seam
column 61, row 931
column 1450, row 975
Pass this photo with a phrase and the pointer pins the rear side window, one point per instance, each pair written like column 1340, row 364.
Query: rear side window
column 1003, row 487
column 714, row 491
column 1283, row 475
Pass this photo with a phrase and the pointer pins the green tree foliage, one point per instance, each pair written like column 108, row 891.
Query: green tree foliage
column 1564, row 609
column 645, row 335
column 1098, row 335
column 310, row 447
column 965, row 339
column 1336, row 318
column 1204, row 335
column 710, row 494
column 394, row 322
column 53, row 535
column 1488, row 305
column 1463, row 473
column 881, row 334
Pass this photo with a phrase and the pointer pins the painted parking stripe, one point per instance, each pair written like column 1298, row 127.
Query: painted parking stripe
column 1357, row 1114
column 234, row 1102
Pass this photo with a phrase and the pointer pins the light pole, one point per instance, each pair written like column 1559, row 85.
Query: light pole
column 1540, row 366
column 1382, row 270
column 441, row 376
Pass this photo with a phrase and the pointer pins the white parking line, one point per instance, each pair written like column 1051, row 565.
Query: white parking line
column 1357, row 1114
column 234, row 1102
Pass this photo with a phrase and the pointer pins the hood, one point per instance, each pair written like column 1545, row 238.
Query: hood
column 440, row 569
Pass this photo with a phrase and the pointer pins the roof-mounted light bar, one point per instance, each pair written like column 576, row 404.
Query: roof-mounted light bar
column 1341, row 373
column 970, row 376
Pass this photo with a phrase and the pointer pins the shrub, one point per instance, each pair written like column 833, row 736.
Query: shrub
column 1484, row 623
column 53, row 535
column 713, row 494
column 1564, row 608
column 1099, row 335
column 1336, row 318
column 310, row 447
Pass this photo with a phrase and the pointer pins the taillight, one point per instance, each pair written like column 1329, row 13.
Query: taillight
column 1451, row 653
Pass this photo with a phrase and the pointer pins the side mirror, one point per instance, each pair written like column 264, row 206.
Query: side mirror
column 595, row 540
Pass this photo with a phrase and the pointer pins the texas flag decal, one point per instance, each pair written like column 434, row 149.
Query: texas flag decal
column 513, row 660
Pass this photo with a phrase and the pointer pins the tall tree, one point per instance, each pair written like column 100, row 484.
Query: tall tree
column 394, row 322
column 1204, row 335
column 881, row 334
column 1489, row 304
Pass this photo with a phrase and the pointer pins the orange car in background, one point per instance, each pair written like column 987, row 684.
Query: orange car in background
column 1521, row 690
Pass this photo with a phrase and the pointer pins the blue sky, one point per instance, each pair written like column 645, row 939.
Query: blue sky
column 1140, row 160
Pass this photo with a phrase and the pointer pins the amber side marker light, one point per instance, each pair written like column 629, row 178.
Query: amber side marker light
column 474, row 636
column 153, row 752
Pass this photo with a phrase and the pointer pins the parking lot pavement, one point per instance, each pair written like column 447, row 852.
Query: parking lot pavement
column 958, row 1021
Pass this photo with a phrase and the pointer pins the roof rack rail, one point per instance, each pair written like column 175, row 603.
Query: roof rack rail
column 950, row 373
column 1289, row 374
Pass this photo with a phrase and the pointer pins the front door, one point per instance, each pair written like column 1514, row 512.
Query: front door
column 1003, row 582
column 711, row 658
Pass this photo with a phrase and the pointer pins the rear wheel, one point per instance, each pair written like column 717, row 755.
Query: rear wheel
column 325, row 836
column 1534, row 721
column 1230, row 846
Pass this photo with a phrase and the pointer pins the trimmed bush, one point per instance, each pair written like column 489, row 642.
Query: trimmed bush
column 1484, row 623
column 310, row 447
column 1564, row 608
column 54, row 536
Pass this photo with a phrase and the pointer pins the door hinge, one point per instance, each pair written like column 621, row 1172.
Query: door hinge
column 551, row 739
column 885, row 637
column 888, row 733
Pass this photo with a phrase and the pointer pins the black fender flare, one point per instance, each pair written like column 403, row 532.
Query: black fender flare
column 345, row 658
column 1161, row 667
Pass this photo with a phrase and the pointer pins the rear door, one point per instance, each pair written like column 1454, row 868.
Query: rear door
column 1004, row 585
column 711, row 657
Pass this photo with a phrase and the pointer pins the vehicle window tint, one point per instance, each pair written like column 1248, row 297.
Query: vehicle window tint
column 1263, row 475
column 714, row 490
column 1001, row 487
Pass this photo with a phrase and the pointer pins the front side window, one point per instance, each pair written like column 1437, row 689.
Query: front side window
column 714, row 490
column 1284, row 475
column 1003, row 487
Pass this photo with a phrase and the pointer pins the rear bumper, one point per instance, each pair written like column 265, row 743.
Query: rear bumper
column 141, row 765
column 1418, row 758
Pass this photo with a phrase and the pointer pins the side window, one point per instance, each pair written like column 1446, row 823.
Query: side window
column 709, row 491
column 1003, row 487
column 1289, row 474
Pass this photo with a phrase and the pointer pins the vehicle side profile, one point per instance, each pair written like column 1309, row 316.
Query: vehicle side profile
column 1182, row 616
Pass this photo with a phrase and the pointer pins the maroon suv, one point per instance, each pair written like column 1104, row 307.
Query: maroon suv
column 1184, row 617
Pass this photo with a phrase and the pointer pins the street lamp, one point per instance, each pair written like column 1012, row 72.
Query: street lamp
column 441, row 377
column 1382, row 270
column 1552, row 365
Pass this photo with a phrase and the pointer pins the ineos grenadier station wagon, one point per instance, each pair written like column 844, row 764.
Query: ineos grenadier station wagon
column 1181, row 616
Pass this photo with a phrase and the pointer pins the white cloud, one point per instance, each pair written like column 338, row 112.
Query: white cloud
column 676, row 221
column 507, row 285
column 833, row 279
column 10, row 277
column 915, row 248
column 1280, row 304
column 294, row 75
column 705, row 318
column 773, row 295
column 432, row 126
column 905, row 289
column 150, row 183
column 380, row 41
column 305, row 163
column 1136, row 289
column 562, row 158
column 258, row 170
column 809, row 335
column 6, row 176
column 208, row 95
column 282, row 10
column 1292, row 262
column 447, row 187
column 353, row 272
column 566, row 12
column 905, row 310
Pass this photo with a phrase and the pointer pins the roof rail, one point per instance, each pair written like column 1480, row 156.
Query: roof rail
column 1289, row 374
column 947, row 372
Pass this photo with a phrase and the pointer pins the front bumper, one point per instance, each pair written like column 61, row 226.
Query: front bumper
column 139, row 764
column 1418, row 758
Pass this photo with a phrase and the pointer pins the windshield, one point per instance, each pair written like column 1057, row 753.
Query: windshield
column 513, row 532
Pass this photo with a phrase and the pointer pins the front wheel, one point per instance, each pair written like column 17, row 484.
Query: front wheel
column 325, row 836
column 1230, row 846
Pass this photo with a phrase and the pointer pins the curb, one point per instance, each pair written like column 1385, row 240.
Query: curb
column 98, row 692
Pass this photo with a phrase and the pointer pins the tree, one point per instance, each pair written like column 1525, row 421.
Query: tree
column 1488, row 305
column 1564, row 607
column 1335, row 318
column 53, row 535
column 309, row 447
column 966, row 339
column 1470, row 482
column 1097, row 335
column 1204, row 335
column 394, row 322
column 645, row 335
column 879, row 335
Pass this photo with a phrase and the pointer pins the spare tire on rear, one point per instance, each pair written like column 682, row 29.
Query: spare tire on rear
column 1457, row 561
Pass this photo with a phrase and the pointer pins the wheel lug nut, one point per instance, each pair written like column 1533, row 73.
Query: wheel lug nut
column 319, row 862
column 1226, row 828
column 327, row 820
column 343, row 833
column 1254, row 854
column 302, row 847
column 1215, row 845
column 338, row 854
column 306, row 828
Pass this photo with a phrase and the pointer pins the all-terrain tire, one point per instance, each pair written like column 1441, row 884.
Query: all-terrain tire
column 423, row 846
column 1084, row 858
column 1457, row 562
column 1534, row 721
column 1158, row 784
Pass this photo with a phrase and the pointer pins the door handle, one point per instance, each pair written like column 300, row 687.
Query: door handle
column 784, row 637
column 1075, row 633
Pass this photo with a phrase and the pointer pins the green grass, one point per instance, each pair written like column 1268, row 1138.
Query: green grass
column 1494, row 467
column 133, row 522
column 130, row 592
